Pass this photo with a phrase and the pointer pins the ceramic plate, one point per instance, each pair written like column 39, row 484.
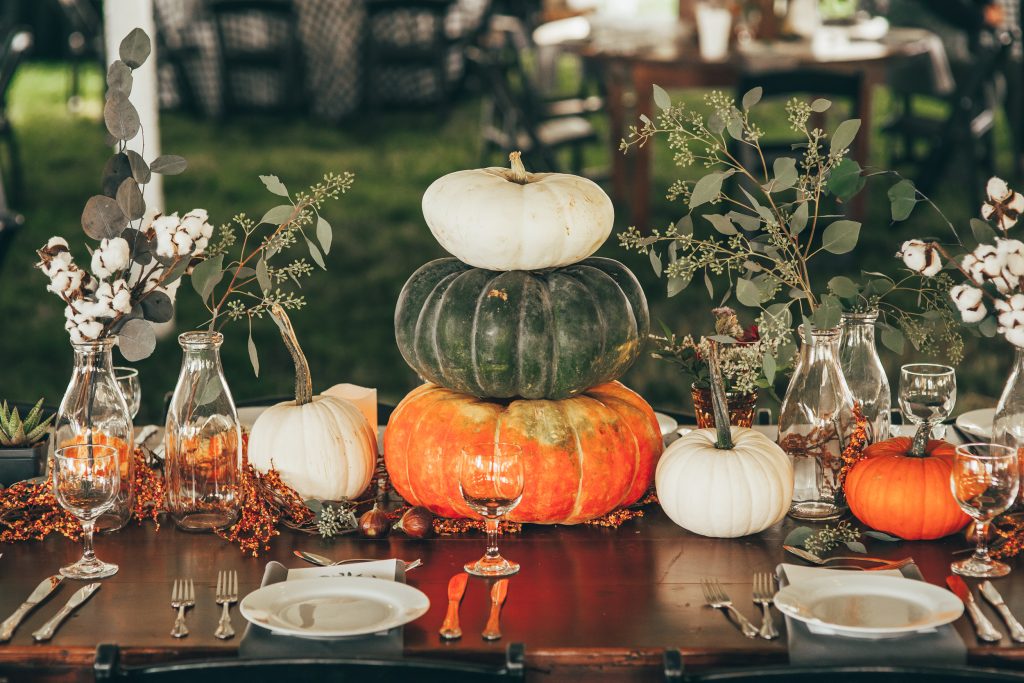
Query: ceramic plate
column 861, row 606
column 977, row 423
column 668, row 424
column 334, row 607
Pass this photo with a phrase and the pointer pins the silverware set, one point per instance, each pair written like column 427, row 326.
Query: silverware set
column 982, row 625
column 450, row 629
column 322, row 561
column 43, row 591
column 763, row 596
column 183, row 596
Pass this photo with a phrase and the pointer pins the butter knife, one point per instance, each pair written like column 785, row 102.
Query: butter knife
column 456, row 589
column 986, row 631
column 993, row 596
column 47, row 630
column 498, row 594
column 42, row 591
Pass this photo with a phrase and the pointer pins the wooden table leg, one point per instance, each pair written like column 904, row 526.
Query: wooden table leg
column 862, row 143
column 615, row 93
column 641, row 181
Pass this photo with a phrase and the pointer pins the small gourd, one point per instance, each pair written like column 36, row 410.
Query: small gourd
column 322, row 446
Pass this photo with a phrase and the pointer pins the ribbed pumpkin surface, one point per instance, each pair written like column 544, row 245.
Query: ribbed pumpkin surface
column 902, row 495
column 530, row 334
column 583, row 456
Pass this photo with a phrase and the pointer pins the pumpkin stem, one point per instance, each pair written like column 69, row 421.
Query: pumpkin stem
column 518, row 170
column 719, row 404
column 303, row 381
column 919, row 447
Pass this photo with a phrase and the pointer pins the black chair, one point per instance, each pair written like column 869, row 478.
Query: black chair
column 179, row 53
column 968, row 128
column 85, row 41
column 17, row 46
column 261, row 61
column 675, row 672
column 10, row 225
column 107, row 667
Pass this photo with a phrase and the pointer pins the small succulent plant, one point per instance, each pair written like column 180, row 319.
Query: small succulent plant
column 16, row 432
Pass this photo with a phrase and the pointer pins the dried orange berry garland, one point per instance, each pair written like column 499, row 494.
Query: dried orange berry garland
column 268, row 501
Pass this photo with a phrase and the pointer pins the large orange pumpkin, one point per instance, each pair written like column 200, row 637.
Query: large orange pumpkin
column 906, row 496
column 583, row 456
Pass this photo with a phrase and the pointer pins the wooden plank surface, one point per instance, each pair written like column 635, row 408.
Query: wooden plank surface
column 588, row 601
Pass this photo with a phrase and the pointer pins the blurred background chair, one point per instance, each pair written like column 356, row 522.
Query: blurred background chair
column 16, row 47
column 85, row 42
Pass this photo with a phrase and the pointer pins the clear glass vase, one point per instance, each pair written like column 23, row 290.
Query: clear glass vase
column 1008, row 423
column 815, row 423
column 862, row 368
column 93, row 411
column 203, row 469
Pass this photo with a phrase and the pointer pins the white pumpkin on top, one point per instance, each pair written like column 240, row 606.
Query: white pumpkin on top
column 322, row 446
column 509, row 219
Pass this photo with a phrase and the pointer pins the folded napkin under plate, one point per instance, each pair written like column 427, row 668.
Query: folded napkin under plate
column 935, row 648
column 263, row 643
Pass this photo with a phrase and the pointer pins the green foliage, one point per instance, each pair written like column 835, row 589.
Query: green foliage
column 18, row 432
column 335, row 519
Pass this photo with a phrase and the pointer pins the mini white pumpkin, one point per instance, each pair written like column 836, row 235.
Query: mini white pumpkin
column 322, row 446
column 725, row 493
column 508, row 219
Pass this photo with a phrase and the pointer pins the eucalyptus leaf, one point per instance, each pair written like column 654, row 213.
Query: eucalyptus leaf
column 168, row 164
column 843, row 286
column 136, row 340
column 988, row 327
column 882, row 536
column 745, row 220
column 706, row 189
column 828, row 313
column 735, row 128
column 856, row 546
column 768, row 367
column 315, row 254
column 676, row 284
column 278, row 214
column 798, row 536
column 157, row 307
column 844, row 135
column 893, row 339
column 820, row 105
column 655, row 262
column 177, row 270
column 253, row 356
column 119, row 78
column 982, row 231
column 752, row 97
column 661, row 97
column 244, row 272
column 262, row 275
column 274, row 185
column 784, row 170
column 121, row 117
column 845, row 180
column 709, row 285
column 798, row 219
column 117, row 168
column 139, row 167
column 685, row 226
column 135, row 48
column 747, row 293
column 716, row 123
column 324, row 234
column 129, row 199
column 102, row 218
column 207, row 275
column 903, row 199
column 840, row 237
column 722, row 224
column 210, row 391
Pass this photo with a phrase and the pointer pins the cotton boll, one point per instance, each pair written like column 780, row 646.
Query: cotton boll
column 970, row 302
column 921, row 257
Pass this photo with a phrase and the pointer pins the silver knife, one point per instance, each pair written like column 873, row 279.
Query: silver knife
column 41, row 592
column 993, row 596
column 322, row 561
column 47, row 630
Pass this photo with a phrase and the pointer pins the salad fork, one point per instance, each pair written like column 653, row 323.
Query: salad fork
column 764, row 595
column 715, row 596
column 227, row 593
column 183, row 596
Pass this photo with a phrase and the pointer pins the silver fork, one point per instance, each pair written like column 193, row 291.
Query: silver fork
column 764, row 594
column 227, row 593
column 183, row 596
column 715, row 596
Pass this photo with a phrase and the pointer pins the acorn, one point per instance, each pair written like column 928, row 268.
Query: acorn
column 417, row 522
column 374, row 523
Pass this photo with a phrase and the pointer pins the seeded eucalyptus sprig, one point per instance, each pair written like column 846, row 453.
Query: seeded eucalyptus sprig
column 245, row 255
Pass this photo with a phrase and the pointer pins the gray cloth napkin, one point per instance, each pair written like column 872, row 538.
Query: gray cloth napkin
column 261, row 643
column 943, row 646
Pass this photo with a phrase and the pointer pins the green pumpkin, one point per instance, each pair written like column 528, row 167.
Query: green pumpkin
column 531, row 334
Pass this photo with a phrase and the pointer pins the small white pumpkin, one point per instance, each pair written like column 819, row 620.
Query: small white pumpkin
column 508, row 219
column 322, row 446
column 725, row 493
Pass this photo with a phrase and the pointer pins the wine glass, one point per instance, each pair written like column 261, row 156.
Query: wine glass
column 491, row 481
column 86, row 479
column 927, row 396
column 128, row 383
column 985, row 479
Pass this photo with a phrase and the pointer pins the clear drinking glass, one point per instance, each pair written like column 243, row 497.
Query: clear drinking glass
column 128, row 382
column 985, row 480
column 491, row 481
column 1008, row 423
column 86, row 479
column 927, row 397
column 862, row 368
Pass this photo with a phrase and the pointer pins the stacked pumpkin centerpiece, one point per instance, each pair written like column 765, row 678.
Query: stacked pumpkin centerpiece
column 521, row 338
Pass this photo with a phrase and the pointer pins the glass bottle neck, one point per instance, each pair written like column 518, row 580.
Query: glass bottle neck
column 859, row 328
column 94, row 355
column 823, row 345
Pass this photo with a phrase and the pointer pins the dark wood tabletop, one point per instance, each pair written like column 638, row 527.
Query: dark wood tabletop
column 588, row 600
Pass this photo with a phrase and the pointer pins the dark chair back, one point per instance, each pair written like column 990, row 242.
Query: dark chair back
column 17, row 46
column 261, row 60
column 10, row 225
column 108, row 668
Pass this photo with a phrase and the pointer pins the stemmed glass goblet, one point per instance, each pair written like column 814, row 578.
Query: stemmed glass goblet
column 86, row 479
column 128, row 382
column 985, row 480
column 927, row 396
column 491, row 481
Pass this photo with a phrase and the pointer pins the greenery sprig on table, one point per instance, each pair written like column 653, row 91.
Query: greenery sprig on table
column 254, row 281
column 823, row 541
column 765, row 234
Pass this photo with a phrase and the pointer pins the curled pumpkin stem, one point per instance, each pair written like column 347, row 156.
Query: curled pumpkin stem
column 518, row 170
column 719, row 405
column 303, row 380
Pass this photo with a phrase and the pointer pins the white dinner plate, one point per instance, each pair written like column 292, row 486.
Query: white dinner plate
column 977, row 423
column 334, row 607
column 864, row 606
column 667, row 423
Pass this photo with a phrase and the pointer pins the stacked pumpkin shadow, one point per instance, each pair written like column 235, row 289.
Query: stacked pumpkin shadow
column 521, row 339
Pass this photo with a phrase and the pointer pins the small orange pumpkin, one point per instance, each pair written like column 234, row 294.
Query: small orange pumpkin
column 906, row 496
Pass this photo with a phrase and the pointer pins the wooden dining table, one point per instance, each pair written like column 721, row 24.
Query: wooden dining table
column 631, row 66
column 590, row 603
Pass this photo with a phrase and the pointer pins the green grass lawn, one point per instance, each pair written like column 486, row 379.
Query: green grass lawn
column 380, row 239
